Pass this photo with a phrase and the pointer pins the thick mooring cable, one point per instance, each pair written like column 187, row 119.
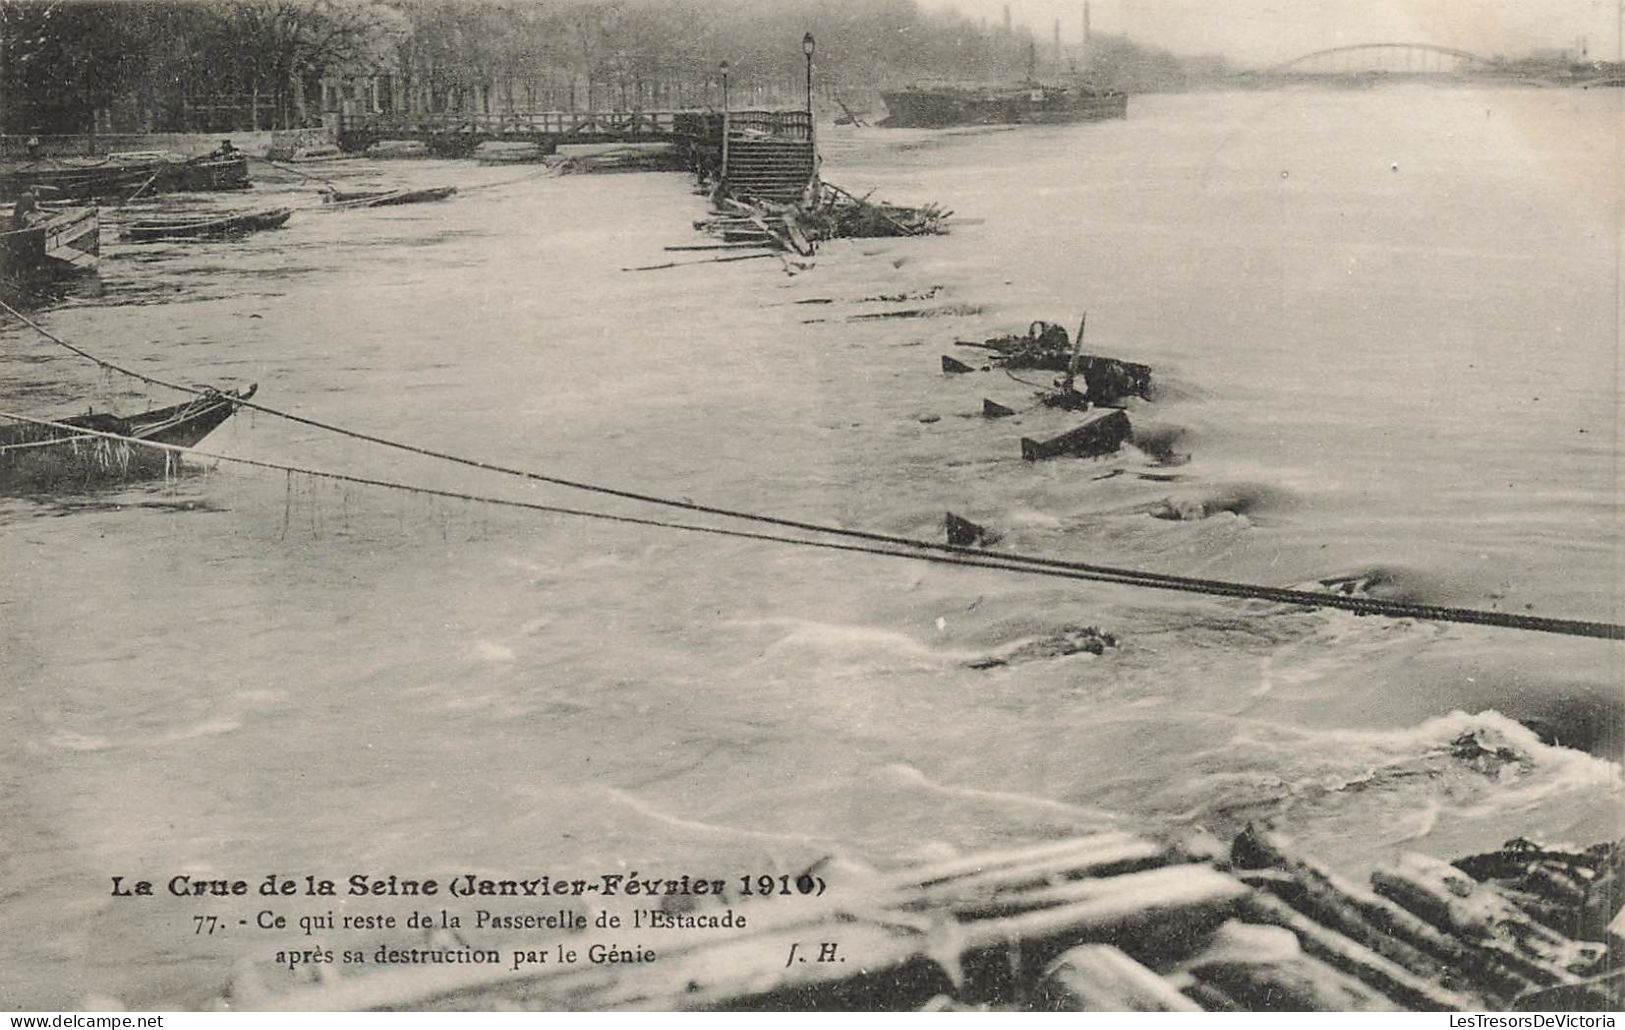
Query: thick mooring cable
column 930, row 551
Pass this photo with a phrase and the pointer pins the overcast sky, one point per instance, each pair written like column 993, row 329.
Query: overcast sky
column 1264, row 30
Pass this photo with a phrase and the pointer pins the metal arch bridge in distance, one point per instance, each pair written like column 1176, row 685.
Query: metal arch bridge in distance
column 1339, row 59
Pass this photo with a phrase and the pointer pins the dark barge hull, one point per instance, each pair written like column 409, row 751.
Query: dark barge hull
column 207, row 175
column 937, row 109
column 43, row 458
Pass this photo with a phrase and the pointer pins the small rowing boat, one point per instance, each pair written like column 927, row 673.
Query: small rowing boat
column 207, row 228
column 36, row 458
column 386, row 198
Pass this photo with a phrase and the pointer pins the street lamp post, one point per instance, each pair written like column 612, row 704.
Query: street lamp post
column 723, row 68
column 808, row 44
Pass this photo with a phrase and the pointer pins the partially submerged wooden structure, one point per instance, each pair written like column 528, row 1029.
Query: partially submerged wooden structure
column 222, row 226
column 768, row 155
column 1102, row 431
column 39, row 458
column 1116, row 921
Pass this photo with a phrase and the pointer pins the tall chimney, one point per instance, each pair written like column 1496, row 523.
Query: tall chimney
column 1057, row 40
column 1006, row 17
column 1086, row 22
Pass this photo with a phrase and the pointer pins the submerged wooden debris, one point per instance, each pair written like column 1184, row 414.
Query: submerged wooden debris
column 39, row 458
column 1102, row 432
column 962, row 532
column 398, row 148
column 1115, row 921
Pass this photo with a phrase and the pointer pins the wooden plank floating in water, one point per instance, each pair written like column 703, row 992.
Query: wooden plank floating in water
column 1102, row 432
column 1114, row 921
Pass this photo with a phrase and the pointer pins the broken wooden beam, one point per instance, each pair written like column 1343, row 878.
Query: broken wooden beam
column 954, row 366
column 1102, row 432
column 993, row 409
column 1297, row 985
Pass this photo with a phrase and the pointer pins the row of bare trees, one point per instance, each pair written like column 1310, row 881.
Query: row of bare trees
column 67, row 65
column 78, row 65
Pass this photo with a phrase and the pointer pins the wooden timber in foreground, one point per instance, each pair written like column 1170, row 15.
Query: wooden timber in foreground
column 1109, row 922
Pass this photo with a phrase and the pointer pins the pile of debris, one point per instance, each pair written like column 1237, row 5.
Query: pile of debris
column 1046, row 346
column 1115, row 921
column 835, row 213
column 575, row 159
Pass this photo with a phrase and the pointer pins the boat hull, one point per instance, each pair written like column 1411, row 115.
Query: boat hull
column 46, row 458
column 61, row 180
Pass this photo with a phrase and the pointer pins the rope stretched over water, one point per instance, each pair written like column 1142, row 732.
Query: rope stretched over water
column 932, row 552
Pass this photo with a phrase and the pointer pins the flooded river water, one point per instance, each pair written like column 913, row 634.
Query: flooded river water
column 1386, row 323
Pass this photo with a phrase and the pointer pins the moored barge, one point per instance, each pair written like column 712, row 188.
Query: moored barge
column 1029, row 103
